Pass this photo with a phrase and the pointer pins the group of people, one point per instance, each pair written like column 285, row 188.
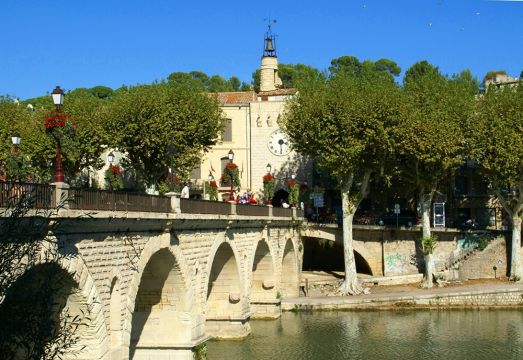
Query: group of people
column 246, row 198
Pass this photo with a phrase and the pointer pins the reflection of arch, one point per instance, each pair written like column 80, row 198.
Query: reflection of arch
column 289, row 271
column 224, row 285
column 263, row 280
column 161, row 301
column 43, row 298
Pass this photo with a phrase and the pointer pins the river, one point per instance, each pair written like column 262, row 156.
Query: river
column 402, row 334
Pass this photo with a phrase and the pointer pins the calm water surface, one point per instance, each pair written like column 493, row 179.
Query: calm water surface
column 406, row 334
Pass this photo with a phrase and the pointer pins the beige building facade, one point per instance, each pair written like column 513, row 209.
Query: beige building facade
column 253, row 134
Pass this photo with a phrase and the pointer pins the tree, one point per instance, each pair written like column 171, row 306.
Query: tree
column 234, row 83
column 344, row 123
column 35, row 322
column 147, row 119
column 350, row 65
column 429, row 140
column 496, row 140
column 290, row 75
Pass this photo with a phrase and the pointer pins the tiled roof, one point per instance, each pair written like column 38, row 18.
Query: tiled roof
column 278, row 92
column 237, row 97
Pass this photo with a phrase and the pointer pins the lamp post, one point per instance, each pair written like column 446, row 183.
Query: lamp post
column 110, row 158
column 58, row 100
column 268, row 168
column 15, row 139
column 230, row 154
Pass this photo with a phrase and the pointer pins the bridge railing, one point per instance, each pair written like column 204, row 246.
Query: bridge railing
column 92, row 199
column 48, row 195
column 37, row 196
column 192, row 206
column 252, row 210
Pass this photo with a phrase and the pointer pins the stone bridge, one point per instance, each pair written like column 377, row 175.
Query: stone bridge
column 157, row 284
column 382, row 251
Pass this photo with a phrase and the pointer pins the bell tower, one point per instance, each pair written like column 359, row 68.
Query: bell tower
column 269, row 79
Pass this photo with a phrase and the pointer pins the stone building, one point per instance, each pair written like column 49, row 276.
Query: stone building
column 253, row 134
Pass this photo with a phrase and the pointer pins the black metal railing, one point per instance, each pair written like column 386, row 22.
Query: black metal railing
column 281, row 212
column 37, row 196
column 252, row 210
column 90, row 199
column 43, row 196
column 192, row 206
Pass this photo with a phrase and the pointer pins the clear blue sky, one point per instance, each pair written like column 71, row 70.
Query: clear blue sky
column 77, row 43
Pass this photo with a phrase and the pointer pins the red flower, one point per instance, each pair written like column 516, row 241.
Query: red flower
column 115, row 169
column 291, row 183
column 213, row 184
column 267, row 178
column 231, row 166
column 57, row 119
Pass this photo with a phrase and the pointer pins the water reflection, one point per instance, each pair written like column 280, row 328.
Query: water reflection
column 406, row 334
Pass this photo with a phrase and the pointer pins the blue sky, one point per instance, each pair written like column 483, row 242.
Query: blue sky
column 76, row 43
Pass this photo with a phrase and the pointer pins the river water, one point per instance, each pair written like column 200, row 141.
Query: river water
column 402, row 334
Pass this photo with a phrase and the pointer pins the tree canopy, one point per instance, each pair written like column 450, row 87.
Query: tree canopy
column 147, row 119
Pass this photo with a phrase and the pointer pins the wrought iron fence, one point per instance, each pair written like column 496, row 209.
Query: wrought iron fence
column 193, row 206
column 252, row 210
column 281, row 212
column 38, row 196
column 90, row 199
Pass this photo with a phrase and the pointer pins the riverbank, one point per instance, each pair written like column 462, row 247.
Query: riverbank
column 473, row 293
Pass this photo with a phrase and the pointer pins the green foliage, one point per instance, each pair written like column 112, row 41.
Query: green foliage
column 200, row 352
column 384, row 69
column 430, row 140
column 146, row 119
column 344, row 122
column 428, row 244
column 212, row 191
column 114, row 178
column 200, row 81
column 268, row 190
column 17, row 168
column 421, row 70
column 294, row 194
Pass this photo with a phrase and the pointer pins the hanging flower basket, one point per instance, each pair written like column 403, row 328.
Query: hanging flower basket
column 231, row 171
column 294, row 192
column 59, row 125
column 114, row 177
column 268, row 187
column 212, row 189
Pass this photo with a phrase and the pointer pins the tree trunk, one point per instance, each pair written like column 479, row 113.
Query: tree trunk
column 425, row 200
column 351, row 284
column 429, row 271
column 516, row 271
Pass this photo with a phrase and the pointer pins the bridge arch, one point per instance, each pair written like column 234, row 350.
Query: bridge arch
column 226, row 305
column 263, row 281
column 161, row 317
column 74, row 300
column 289, row 284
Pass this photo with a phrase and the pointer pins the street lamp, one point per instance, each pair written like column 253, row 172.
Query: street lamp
column 210, row 177
column 230, row 154
column 58, row 100
column 110, row 158
column 171, row 186
column 15, row 139
column 293, row 176
column 268, row 168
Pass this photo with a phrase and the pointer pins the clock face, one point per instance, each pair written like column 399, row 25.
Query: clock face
column 278, row 143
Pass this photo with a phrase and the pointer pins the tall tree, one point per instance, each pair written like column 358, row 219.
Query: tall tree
column 344, row 123
column 496, row 140
column 430, row 140
column 148, row 119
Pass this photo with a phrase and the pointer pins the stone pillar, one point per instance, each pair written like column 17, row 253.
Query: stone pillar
column 233, row 208
column 61, row 194
column 228, row 328
column 175, row 202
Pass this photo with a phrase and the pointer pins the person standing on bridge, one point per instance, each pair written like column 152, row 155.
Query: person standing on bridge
column 185, row 191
